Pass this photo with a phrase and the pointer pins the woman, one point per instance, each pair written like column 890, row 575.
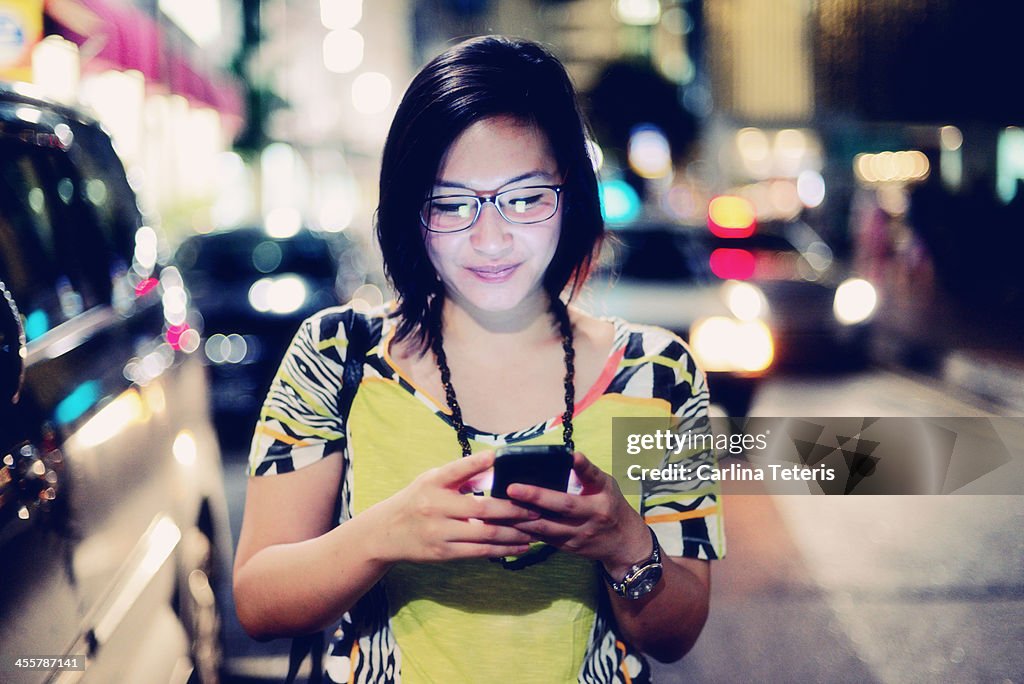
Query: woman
column 488, row 212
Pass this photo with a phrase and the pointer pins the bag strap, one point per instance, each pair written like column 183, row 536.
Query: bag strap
column 352, row 374
column 359, row 345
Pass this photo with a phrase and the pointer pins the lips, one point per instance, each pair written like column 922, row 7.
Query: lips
column 493, row 273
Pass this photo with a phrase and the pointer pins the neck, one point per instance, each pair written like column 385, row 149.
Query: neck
column 526, row 324
column 529, row 321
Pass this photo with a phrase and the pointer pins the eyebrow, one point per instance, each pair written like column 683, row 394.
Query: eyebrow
column 529, row 174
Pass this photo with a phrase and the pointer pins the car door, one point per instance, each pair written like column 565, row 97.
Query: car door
column 128, row 489
column 40, row 613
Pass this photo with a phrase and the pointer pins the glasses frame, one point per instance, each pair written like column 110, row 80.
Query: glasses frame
column 481, row 200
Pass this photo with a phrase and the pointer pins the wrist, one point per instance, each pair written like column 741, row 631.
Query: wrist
column 642, row 577
column 382, row 550
column 633, row 549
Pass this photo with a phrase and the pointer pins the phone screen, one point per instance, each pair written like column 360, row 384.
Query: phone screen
column 544, row 466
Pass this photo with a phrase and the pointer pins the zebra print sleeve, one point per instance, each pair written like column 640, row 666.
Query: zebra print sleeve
column 686, row 516
column 299, row 422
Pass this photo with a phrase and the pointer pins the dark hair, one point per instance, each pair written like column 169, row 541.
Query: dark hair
column 475, row 80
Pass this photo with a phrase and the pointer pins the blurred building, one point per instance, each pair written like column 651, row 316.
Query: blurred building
column 864, row 102
column 325, row 78
column 152, row 73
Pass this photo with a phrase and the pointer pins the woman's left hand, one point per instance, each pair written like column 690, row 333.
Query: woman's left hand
column 598, row 523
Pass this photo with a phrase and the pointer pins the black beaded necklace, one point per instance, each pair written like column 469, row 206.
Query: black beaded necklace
column 561, row 314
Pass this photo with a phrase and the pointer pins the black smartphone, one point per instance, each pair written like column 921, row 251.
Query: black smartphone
column 544, row 466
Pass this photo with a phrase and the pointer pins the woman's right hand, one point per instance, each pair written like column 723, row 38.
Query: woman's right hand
column 287, row 532
column 430, row 520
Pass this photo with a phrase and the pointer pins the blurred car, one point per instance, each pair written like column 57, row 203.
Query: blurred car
column 818, row 312
column 659, row 274
column 114, row 538
column 252, row 290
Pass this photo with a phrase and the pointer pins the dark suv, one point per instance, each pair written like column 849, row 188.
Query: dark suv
column 113, row 522
column 252, row 289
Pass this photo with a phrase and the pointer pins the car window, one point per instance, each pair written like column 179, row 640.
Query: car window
column 758, row 242
column 47, row 245
column 245, row 255
column 664, row 256
column 106, row 191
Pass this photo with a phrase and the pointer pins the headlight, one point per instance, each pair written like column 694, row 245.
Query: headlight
column 855, row 301
column 745, row 301
column 281, row 295
column 725, row 344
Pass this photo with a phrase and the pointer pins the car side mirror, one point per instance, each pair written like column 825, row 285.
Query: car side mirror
column 12, row 349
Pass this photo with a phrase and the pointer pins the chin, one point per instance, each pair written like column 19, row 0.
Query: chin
column 498, row 299
column 494, row 303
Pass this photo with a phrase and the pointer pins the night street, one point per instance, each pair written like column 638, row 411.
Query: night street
column 744, row 273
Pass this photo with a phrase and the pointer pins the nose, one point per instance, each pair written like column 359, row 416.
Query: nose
column 490, row 235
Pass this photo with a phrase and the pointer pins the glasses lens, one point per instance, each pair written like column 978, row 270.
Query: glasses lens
column 446, row 214
column 528, row 205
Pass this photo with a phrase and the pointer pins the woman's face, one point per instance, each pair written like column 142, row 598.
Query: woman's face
column 495, row 265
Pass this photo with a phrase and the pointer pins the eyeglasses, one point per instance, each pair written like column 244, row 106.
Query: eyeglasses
column 452, row 213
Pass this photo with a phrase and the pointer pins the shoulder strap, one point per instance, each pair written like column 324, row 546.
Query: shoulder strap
column 359, row 345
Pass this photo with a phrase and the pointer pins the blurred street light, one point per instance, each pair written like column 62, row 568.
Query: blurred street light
column 638, row 12
column 341, row 14
column 371, row 92
column 649, row 152
column 343, row 51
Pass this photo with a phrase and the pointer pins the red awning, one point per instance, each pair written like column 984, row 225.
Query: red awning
column 212, row 90
column 124, row 37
